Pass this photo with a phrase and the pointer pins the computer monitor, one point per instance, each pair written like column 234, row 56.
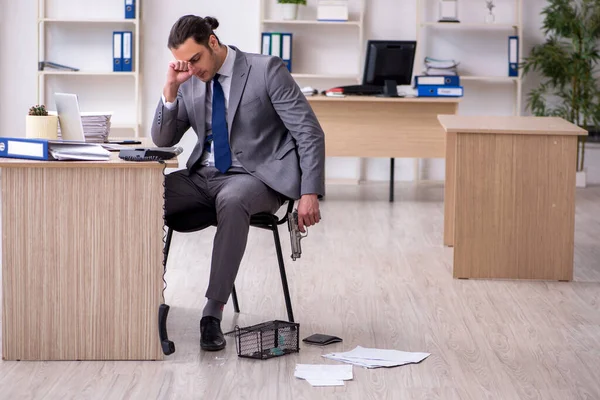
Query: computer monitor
column 389, row 63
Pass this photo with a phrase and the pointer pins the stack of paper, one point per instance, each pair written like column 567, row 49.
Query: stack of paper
column 324, row 375
column 440, row 67
column 375, row 358
column 96, row 126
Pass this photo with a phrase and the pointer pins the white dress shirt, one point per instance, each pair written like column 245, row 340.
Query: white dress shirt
column 226, row 73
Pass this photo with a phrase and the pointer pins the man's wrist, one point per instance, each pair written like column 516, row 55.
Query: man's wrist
column 170, row 92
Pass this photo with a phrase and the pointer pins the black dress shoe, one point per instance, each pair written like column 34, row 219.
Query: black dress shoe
column 211, row 336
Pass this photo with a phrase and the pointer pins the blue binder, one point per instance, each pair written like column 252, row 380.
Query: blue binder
column 286, row 50
column 513, row 56
column 266, row 44
column 117, row 51
column 30, row 149
column 129, row 9
column 127, row 51
column 437, row 80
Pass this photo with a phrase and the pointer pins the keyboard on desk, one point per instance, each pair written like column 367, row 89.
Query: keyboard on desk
column 360, row 90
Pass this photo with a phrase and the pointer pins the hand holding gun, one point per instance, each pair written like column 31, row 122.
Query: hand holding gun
column 295, row 234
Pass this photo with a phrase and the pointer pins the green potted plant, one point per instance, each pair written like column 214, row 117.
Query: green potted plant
column 569, row 64
column 289, row 8
column 39, row 124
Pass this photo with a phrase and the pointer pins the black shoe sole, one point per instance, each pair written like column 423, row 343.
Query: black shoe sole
column 208, row 347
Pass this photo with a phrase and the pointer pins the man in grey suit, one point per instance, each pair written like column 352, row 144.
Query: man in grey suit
column 259, row 143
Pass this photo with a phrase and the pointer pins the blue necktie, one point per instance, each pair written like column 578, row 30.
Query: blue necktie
column 219, row 128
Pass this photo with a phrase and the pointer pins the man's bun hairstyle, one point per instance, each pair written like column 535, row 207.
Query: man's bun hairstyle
column 211, row 22
column 192, row 26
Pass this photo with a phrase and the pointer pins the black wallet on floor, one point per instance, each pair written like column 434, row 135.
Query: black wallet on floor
column 321, row 339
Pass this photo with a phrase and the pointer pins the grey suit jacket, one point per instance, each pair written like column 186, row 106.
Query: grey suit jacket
column 274, row 133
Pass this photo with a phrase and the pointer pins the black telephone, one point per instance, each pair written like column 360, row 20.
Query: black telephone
column 149, row 153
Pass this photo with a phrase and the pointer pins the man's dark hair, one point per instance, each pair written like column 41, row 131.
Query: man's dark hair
column 192, row 26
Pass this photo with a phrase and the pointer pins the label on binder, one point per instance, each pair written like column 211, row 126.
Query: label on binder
column 439, row 91
column 455, row 91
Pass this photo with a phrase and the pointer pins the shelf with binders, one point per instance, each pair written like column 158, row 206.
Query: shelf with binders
column 78, row 35
column 480, row 42
column 324, row 53
column 89, row 10
column 308, row 61
column 88, row 49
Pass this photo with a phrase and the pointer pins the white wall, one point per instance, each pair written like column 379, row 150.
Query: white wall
column 481, row 53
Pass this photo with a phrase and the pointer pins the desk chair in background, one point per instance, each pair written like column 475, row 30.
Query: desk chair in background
column 193, row 222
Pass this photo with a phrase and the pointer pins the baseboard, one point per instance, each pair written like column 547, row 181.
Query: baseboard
column 342, row 181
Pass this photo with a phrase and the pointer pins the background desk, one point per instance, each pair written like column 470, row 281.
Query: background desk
column 366, row 126
column 513, row 214
column 81, row 259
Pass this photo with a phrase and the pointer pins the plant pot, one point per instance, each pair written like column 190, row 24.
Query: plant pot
column 41, row 126
column 580, row 179
column 289, row 11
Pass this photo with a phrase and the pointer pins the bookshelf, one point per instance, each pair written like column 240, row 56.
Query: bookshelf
column 313, row 62
column 509, row 22
column 78, row 33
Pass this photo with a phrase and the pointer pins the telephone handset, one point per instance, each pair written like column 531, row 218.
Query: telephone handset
column 149, row 153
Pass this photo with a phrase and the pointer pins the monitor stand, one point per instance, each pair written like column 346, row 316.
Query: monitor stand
column 390, row 89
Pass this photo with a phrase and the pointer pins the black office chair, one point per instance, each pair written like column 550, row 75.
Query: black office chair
column 195, row 222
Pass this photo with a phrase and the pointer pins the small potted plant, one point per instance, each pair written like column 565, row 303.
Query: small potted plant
column 41, row 125
column 289, row 8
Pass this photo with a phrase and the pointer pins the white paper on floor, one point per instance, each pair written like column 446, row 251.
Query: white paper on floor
column 375, row 358
column 324, row 375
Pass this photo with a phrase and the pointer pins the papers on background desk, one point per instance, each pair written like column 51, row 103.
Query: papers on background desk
column 375, row 358
column 324, row 375
column 63, row 151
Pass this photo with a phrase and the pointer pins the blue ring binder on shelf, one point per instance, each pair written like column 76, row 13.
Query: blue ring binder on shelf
column 129, row 9
column 127, row 60
column 513, row 56
column 117, row 51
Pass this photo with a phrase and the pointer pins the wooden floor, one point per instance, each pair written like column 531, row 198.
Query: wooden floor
column 375, row 274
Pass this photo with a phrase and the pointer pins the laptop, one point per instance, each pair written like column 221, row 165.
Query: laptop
column 67, row 108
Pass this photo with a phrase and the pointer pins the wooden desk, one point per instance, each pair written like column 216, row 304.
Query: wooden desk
column 81, row 259
column 366, row 126
column 513, row 214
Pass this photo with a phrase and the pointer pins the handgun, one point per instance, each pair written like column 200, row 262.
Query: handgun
column 295, row 234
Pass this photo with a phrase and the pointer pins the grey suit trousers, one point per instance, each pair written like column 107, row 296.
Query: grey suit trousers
column 232, row 198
